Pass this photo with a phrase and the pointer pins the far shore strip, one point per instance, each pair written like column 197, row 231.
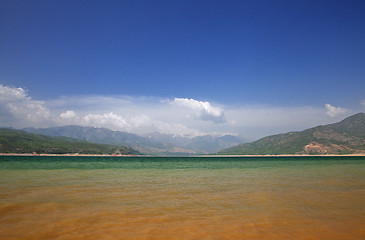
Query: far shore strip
column 110, row 155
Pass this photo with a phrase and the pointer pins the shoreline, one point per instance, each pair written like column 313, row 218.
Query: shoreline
column 110, row 155
column 65, row 155
column 292, row 155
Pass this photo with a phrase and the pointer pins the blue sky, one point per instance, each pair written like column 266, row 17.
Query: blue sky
column 233, row 55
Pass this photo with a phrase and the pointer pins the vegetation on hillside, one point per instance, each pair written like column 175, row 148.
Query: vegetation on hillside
column 345, row 137
column 15, row 141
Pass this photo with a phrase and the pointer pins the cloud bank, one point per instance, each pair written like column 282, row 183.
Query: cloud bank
column 141, row 115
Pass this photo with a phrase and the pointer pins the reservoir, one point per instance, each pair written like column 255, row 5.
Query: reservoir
column 182, row 197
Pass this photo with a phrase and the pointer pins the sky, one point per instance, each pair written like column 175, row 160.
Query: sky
column 250, row 68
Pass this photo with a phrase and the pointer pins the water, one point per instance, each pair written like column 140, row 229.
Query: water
column 182, row 198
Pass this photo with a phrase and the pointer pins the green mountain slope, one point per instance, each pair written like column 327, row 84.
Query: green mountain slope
column 15, row 141
column 345, row 137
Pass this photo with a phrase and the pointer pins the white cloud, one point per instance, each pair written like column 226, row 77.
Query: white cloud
column 143, row 115
column 11, row 94
column 363, row 102
column 16, row 107
column 66, row 118
column 68, row 115
column 139, row 123
column 109, row 120
column 334, row 111
column 203, row 110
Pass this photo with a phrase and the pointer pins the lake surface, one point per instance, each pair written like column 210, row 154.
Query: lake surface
column 182, row 198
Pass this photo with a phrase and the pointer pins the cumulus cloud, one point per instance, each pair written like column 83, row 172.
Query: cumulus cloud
column 110, row 120
column 16, row 106
column 141, row 115
column 334, row 111
column 203, row 110
column 139, row 124
column 124, row 113
column 10, row 93
column 68, row 115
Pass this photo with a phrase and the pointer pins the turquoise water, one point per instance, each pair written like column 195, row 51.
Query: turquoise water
column 182, row 197
column 60, row 162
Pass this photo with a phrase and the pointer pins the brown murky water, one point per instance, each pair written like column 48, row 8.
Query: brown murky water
column 305, row 201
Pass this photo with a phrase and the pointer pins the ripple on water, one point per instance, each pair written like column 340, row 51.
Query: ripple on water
column 282, row 200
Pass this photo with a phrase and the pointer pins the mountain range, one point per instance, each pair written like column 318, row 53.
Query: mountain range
column 153, row 143
column 345, row 137
column 16, row 141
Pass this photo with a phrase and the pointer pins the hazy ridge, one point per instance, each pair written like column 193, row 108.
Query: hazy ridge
column 154, row 143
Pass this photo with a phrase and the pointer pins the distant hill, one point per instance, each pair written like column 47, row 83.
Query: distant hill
column 107, row 136
column 154, row 143
column 345, row 137
column 199, row 144
column 93, row 134
column 16, row 141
